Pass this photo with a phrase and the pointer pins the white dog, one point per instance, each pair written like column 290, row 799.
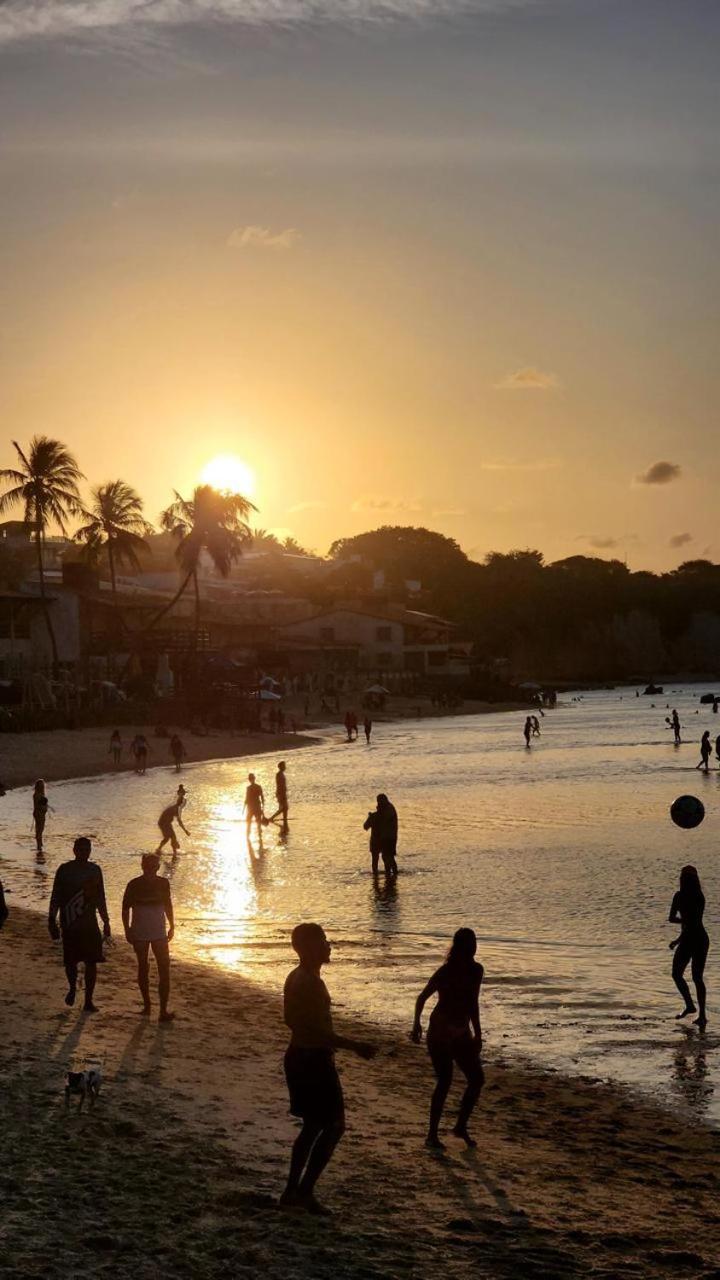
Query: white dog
column 84, row 1083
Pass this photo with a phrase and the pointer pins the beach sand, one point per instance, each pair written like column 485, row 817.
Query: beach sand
column 177, row 1170
column 81, row 753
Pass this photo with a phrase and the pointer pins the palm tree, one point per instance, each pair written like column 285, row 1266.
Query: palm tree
column 116, row 522
column 210, row 521
column 265, row 539
column 46, row 482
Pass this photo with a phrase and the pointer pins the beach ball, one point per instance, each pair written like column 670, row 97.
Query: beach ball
column 687, row 812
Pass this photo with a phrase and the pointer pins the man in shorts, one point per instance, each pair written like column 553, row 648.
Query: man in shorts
column 254, row 803
column 78, row 894
column 316, row 1095
column 147, row 904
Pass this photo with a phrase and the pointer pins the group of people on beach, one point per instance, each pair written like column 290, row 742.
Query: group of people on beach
column 139, row 749
column 351, row 726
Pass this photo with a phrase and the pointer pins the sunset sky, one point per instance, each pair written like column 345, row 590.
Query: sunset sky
column 452, row 264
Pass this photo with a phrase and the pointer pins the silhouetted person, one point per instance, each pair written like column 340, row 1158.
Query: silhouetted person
column 40, row 809
column 368, row 727
column 139, row 748
column 165, row 822
column 705, row 752
column 535, row 726
column 372, row 825
column 348, row 725
column 78, row 894
column 527, row 731
column 316, row 1095
column 717, row 746
column 691, row 947
column 4, row 913
column 254, row 803
column 383, row 828
column 450, row 1039
column 146, row 906
column 115, row 746
column 177, row 751
column 281, row 793
column 675, row 722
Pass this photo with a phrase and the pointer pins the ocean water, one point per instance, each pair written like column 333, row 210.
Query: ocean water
column 562, row 858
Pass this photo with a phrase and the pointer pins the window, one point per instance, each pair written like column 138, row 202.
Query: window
column 383, row 633
column 327, row 633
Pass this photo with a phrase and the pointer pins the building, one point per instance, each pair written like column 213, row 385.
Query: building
column 383, row 641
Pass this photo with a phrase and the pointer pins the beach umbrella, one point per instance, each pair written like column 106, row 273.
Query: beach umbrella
column 266, row 695
column 530, row 684
column 377, row 688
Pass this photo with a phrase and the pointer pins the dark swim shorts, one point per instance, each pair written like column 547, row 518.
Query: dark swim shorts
column 314, row 1085
column 82, row 946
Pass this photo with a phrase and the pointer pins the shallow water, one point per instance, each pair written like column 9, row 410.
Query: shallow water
column 562, row 858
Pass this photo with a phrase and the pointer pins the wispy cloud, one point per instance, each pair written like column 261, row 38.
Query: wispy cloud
column 528, row 379
column 599, row 541
column 680, row 539
column 659, row 473
column 372, row 503
column 511, row 464
column 26, row 19
column 299, row 507
column 252, row 237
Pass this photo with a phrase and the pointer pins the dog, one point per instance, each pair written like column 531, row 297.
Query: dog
column 86, row 1084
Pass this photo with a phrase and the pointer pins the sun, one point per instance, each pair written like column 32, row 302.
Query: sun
column 230, row 474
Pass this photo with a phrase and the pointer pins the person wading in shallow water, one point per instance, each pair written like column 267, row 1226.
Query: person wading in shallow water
column 78, row 893
column 692, row 946
column 316, row 1095
column 449, row 1038
column 146, row 906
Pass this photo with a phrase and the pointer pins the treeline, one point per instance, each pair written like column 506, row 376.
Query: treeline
column 580, row 618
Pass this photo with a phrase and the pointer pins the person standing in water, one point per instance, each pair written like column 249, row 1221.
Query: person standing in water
column 40, row 809
column 454, row 1035
column 705, row 752
column 115, row 746
column 78, row 895
column 675, row 723
column 254, row 804
column 146, row 906
column 316, row 1095
column 281, row 794
column 527, row 731
column 166, row 820
column 688, row 907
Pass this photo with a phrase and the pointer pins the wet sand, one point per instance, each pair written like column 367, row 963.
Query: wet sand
column 177, row 1170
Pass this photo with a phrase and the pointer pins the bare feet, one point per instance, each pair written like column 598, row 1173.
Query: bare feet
column 70, row 997
column 146, row 1010
column 461, row 1132
column 311, row 1205
column 700, row 1022
column 166, row 1017
column 690, row 1008
column 89, row 1007
column 433, row 1142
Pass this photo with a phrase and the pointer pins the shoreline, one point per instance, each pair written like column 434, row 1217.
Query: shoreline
column 63, row 755
column 190, row 1138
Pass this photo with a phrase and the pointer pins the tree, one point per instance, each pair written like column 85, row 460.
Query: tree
column 210, row 521
column 116, row 524
column 264, row 540
column 46, row 483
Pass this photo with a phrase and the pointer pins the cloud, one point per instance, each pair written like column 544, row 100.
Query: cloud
column 262, row 238
column 449, row 511
column 600, row 541
column 27, row 19
column 299, row 507
column 680, row 539
column 510, row 464
column 659, row 473
column 528, row 379
column 373, row 503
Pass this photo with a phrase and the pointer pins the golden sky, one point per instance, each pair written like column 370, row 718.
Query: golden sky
column 451, row 264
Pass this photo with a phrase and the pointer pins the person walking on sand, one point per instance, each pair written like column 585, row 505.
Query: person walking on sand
column 146, row 905
column 115, row 746
column 454, row 1035
column 4, row 913
column 675, row 723
column 717, row 747
column 527, row 731
column 169, row 816
column 177, row 751
column 78, row 896
column 535, row 726
column 348, row 725
column 254, row 804
column 705, row 752
column 139, row 748
column 41, row 805
column 688, row 907
column 316, row 1095
column 368, row 727
column 281, row 794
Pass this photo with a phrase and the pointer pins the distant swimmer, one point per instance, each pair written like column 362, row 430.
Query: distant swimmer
column 454, row 1035
column 254, row 803
column 675, row 722
column 316, row 1095
column 166, row 820
column 705, row 752
column 688, row 907
column 281, row 793
column 41, row 805
column 527, row 731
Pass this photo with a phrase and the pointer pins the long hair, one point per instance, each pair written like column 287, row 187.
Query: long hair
column 464, row 946
column 690, row 882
